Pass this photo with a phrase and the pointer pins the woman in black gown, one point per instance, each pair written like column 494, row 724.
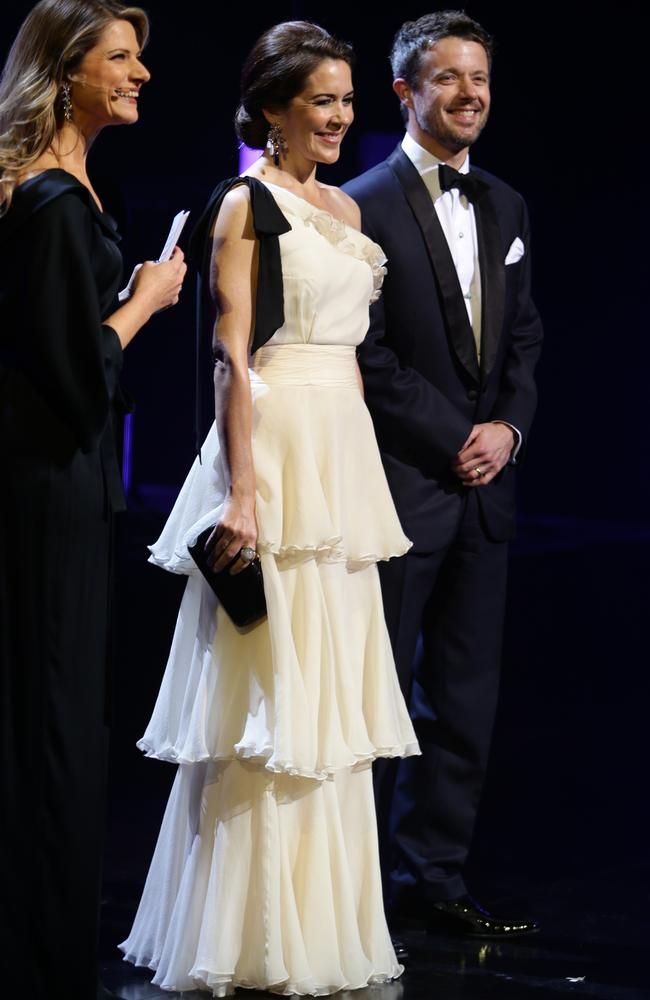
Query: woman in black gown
column 74, row 68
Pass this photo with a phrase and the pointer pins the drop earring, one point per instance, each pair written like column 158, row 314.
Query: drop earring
column 275, row 142
column 66, row 101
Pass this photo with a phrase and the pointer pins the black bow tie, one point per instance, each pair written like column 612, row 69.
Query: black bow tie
column 468, row 184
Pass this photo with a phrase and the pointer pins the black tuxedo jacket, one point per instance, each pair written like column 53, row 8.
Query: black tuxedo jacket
column 423, row 383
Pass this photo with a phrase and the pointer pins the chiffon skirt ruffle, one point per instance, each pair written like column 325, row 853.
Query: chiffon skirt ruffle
column 267, row 881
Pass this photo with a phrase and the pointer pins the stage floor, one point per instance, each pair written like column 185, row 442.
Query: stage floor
column 589, row 955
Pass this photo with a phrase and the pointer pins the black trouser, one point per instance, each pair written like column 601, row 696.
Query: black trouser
column 452, row 601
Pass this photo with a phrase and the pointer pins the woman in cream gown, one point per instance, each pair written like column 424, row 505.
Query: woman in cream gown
column 266, row 872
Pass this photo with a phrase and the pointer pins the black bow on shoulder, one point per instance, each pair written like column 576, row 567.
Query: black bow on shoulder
column 269, row 224
column 469, row 184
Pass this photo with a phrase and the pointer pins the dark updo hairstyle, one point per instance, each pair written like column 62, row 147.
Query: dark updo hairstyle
column 276, row 71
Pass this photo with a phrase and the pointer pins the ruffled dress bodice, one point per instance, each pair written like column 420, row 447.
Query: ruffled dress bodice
column 330, row 273
column 321, row 488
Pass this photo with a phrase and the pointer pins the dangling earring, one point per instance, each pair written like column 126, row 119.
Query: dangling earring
column 66, row 101
column 275, row 142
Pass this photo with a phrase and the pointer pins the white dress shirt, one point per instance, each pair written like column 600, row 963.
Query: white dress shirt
column 456, row 216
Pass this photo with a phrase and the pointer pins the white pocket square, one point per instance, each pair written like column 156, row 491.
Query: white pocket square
column 516, row 251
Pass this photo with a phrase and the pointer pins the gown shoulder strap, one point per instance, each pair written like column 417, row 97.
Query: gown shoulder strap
column 269, row 223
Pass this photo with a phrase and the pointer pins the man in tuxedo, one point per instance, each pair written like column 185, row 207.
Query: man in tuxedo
column 448, row 372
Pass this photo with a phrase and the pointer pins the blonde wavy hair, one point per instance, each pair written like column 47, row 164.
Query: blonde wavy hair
column 51, row 43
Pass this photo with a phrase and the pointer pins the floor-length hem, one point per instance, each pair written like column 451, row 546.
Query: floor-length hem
column 265, row 881
column 225, row 985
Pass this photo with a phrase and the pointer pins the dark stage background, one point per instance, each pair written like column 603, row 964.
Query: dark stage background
column 566, row 128
column 567, row 121
column 565, row 812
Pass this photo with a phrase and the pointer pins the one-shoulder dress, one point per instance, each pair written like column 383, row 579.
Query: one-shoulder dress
column 266, row 872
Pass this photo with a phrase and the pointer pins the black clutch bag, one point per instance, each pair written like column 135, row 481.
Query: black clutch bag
column 241, row 595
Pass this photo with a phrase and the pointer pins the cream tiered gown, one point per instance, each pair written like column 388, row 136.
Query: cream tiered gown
column 266, row 872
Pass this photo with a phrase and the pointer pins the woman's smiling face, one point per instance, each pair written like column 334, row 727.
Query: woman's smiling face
column 316, row 120
column 106, row 84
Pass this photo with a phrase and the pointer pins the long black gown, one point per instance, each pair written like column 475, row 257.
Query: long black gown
column 60, row 269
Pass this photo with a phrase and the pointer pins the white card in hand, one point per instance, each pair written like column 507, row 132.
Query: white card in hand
column 174, row 233
column 171, row 241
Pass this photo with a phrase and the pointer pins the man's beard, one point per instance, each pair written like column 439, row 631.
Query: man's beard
column 446, row 135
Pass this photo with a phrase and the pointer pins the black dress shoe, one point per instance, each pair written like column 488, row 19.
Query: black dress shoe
column 466, row 918
column 401, row 951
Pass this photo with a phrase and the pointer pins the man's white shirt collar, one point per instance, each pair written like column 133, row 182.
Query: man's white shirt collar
column 427, row 164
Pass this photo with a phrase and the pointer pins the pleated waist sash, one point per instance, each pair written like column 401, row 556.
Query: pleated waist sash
column 321, row 365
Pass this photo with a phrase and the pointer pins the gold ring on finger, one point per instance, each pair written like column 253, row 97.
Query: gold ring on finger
column 479, row 471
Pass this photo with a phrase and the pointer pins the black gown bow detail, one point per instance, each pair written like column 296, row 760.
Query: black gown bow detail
column 269, row 223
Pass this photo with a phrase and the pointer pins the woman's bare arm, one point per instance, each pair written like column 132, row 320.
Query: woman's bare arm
column 233, row 284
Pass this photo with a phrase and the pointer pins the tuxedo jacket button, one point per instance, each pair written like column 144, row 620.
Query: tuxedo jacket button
column 472, row 395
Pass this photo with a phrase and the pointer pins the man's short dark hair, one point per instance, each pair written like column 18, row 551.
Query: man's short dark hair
column 415, row 38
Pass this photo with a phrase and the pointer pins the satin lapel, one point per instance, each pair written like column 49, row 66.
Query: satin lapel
column 419, row 199
column 493, row 280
